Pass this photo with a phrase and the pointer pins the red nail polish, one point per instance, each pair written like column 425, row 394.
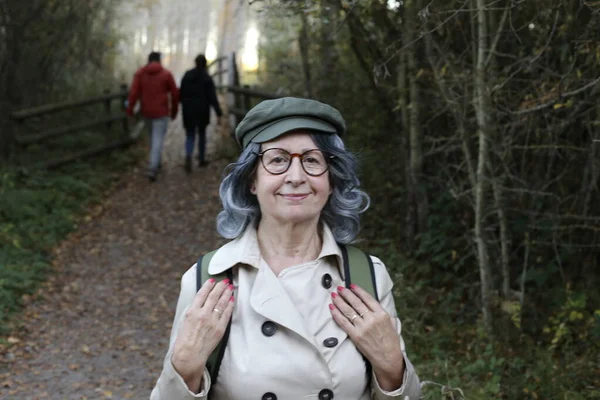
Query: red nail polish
column 334, row 294
column 211, row 280
column 231, row 299
column 331, row 307
column 226, row 281
column 340, row 288
column 230, row 287
column 353, row 286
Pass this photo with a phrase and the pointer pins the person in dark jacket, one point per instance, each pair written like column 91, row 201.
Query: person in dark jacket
column 152, row 85
column 197, row 95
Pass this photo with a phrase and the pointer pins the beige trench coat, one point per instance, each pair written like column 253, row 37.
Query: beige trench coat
column 294, row 362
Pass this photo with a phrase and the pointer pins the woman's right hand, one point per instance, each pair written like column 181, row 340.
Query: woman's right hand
column 203, row 326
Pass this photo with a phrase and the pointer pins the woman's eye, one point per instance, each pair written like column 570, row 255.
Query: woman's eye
column 277, row 160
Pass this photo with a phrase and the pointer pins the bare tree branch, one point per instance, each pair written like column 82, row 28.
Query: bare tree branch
column 559, row 96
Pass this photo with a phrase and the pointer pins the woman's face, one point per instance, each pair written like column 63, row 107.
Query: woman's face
column 293, row 196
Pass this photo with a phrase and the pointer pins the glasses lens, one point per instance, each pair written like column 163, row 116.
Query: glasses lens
column 314, row 162
column 276, row 161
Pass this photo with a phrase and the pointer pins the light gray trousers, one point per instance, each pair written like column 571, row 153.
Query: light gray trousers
column 157, row 129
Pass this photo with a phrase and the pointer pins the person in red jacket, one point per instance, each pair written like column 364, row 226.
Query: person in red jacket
column 152, row 85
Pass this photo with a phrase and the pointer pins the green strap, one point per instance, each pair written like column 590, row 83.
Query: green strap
column 204, row 262
column 358, row 269
column 214, row 360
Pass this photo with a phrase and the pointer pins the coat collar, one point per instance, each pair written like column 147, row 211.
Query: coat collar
column 245, row 250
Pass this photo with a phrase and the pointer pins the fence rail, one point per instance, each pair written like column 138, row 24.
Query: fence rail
column 55, row 107
column 26, row 136
column 243, row 99
column 21, row 116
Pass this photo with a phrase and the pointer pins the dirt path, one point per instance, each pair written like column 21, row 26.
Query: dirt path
column 99, row 328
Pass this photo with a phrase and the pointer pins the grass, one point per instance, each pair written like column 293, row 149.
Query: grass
column 39, row 208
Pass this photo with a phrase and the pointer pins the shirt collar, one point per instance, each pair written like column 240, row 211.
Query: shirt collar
column 245, row 250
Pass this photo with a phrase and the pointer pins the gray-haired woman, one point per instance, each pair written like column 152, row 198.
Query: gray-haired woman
column 295, row 329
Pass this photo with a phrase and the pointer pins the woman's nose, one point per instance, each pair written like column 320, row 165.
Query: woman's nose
column 296, row 173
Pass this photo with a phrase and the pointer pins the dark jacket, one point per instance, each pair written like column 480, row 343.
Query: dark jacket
column 151, row 85
column 197, row 94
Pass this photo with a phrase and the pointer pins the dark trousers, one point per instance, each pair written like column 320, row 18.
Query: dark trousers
column 191, row 138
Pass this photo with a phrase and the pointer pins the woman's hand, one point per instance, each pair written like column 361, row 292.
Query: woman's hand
column 203, row 326
column 372, row 331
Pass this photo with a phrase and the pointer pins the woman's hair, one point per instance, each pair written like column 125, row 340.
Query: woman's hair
column 341, row 212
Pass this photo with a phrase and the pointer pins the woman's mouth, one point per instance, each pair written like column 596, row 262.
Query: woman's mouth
column 299, row 196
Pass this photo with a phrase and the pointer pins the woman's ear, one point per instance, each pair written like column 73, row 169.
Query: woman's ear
column 253, row 187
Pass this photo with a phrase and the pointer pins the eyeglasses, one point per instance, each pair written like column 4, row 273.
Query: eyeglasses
column 277, row 161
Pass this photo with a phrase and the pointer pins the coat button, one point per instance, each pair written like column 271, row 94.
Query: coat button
column 325, row 394
column 330, row 342
column 269, row 328
column 269, row 396
column 326, row 281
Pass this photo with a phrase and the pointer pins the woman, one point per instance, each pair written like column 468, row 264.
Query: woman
column 289, row 200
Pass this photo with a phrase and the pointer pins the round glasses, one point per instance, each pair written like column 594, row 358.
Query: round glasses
column 277, row 161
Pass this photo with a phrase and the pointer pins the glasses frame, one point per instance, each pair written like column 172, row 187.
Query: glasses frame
column 328, row 158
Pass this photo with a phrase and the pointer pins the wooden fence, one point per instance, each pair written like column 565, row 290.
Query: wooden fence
column 24, row 135
column 223, row 70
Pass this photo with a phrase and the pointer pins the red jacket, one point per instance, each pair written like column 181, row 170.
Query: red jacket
column 151, row 85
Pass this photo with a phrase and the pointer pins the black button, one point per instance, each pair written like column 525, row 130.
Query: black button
column 269, row 396
column 326, row 281
column 325, row 394
column 330, row 342
column 269, row 328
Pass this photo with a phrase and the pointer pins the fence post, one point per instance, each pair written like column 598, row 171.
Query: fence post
column 233, row 99
column 247, row 98
column 219, row 73
column 236, row 82
column 123, row 107
column 107, row 109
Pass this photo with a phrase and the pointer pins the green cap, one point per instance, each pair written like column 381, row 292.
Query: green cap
column 272, row 118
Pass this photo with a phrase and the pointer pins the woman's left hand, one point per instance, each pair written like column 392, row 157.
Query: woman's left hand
column 372, row 331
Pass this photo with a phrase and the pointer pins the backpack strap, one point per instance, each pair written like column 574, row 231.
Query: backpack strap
column 358, row 268
column 214, row 360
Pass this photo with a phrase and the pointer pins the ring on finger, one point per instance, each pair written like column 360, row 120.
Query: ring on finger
column 363, row 313
column 353, row 317
column 218, row 311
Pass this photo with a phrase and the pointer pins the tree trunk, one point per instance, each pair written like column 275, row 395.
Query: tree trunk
column 416, row 135
column 481, row 104
column 409, row 222
column 328, row 51
column 497, row 25
column 504, row 235
column 304, row 43
column 416, row 147
column 592, row 166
